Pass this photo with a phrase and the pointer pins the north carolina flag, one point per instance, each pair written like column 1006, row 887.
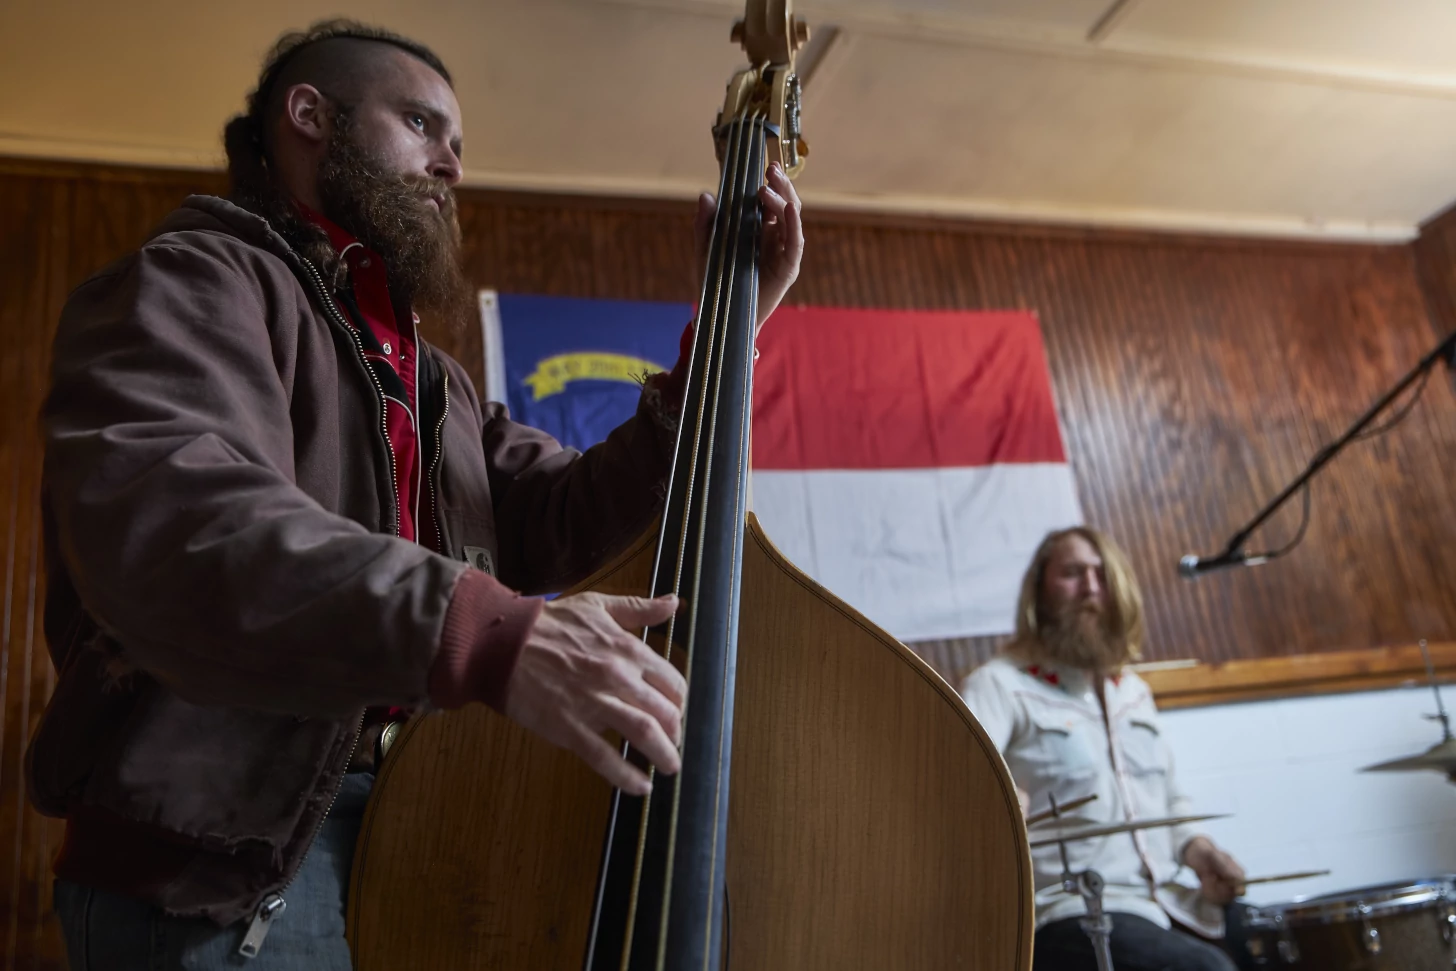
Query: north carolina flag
column 910, row 461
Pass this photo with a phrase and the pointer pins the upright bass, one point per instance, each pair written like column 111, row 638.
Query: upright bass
column 838, row 806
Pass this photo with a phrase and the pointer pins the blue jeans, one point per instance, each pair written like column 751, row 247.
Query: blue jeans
column 108, row 932
column 1136, row 944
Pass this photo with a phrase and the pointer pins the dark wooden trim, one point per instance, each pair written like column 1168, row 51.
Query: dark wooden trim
column 1332, row 672
column 103, row 172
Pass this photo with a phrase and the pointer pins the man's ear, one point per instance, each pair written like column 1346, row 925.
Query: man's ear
column 305, row 112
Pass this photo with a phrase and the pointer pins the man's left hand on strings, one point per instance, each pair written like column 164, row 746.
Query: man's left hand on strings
column 782, row 246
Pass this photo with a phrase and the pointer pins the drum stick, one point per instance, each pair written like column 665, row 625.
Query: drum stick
column 1047, row 814
column 1287, row 876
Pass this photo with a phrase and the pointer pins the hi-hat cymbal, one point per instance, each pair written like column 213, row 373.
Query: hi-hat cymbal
column 1439, row 758
column 1068, row 834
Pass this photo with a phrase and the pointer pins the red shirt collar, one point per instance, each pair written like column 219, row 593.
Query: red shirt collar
column 339, row 237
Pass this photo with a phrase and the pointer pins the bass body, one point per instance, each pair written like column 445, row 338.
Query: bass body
column 872, row 824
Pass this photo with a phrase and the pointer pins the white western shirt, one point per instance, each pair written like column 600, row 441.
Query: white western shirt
column 1050, row 729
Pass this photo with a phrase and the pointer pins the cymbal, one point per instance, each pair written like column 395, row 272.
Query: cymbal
column 1440, row 758
column 1068, row 834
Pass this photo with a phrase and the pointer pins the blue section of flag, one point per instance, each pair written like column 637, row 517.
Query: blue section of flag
column 572, row 365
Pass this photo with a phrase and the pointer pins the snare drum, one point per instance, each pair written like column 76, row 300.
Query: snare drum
column 1395, row 927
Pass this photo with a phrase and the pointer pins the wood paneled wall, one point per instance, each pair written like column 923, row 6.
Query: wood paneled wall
column 57, row 225
column 1193, row 377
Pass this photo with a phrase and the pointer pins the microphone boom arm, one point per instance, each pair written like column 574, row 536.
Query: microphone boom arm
column 1444, row 351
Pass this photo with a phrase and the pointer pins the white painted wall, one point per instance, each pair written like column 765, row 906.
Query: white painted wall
column 1287, row 770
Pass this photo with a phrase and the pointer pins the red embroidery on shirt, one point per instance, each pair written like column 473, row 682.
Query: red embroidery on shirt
column 1050, row 677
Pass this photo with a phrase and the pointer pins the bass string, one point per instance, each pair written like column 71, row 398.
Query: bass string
column 740, row 197
column 720, row 244
column 745, row 415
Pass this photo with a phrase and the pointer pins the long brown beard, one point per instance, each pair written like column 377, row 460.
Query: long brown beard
column 1080, row 638
column 393, row 216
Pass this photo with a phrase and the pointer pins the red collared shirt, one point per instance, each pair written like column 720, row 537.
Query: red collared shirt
column 397, row 347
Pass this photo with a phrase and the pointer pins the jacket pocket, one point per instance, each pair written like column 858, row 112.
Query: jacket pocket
column 217, row 776
column 85, row 714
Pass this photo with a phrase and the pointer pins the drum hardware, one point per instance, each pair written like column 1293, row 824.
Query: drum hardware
column 1288, row 950
column 1380, row 928
column 1440, row 757
column 1088, row 884
column 1097, row 924
column 1371, row 937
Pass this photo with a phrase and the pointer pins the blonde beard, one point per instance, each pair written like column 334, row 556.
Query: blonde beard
column 1081, row 640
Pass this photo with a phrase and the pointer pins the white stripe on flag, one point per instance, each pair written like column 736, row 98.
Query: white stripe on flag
column 924, row 553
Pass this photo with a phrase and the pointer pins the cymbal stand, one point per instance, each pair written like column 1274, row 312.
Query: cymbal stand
column 1088, row 885
column 1440, row 715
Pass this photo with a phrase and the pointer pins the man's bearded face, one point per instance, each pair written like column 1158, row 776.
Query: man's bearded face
column 410, row 221
column 1077, row 633
column 1075, row 617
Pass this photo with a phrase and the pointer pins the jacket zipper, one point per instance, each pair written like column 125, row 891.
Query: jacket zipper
column 273, row 905
column 435, row 463
column 333, row 314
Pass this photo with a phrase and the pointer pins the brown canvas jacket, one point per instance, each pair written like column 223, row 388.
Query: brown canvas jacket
column 225, row 595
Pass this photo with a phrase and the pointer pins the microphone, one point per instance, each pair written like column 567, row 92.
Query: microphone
column 1192, row 567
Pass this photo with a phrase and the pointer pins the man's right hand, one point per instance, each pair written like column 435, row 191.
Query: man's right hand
column 584, row 670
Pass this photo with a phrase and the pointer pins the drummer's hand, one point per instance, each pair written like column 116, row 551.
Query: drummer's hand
column 1220, row 874
column 782, row 246
column 584, row 670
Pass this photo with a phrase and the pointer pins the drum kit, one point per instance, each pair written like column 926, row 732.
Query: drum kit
column 1394, row 927
column 1408, row 926
column 1088, row 884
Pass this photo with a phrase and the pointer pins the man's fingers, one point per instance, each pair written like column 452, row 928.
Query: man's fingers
column 661, row 675
column 640, row 692
column 643, row 732
column 607, row 761
column 779, row 179
column 773, row 203
column 793, row 230
column 703, row 225
column 707, row 208
column 634, row 613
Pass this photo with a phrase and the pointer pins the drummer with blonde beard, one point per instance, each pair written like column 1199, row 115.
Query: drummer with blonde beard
column 1073, row 721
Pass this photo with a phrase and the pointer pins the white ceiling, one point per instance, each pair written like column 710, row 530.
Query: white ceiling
column 1332, row 118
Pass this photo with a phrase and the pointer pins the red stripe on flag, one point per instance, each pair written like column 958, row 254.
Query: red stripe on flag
column 896, row 389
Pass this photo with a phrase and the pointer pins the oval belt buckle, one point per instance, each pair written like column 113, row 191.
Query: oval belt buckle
column 386, row 739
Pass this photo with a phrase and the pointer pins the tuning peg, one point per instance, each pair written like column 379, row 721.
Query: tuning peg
column 736, row 36
column 801, row 33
